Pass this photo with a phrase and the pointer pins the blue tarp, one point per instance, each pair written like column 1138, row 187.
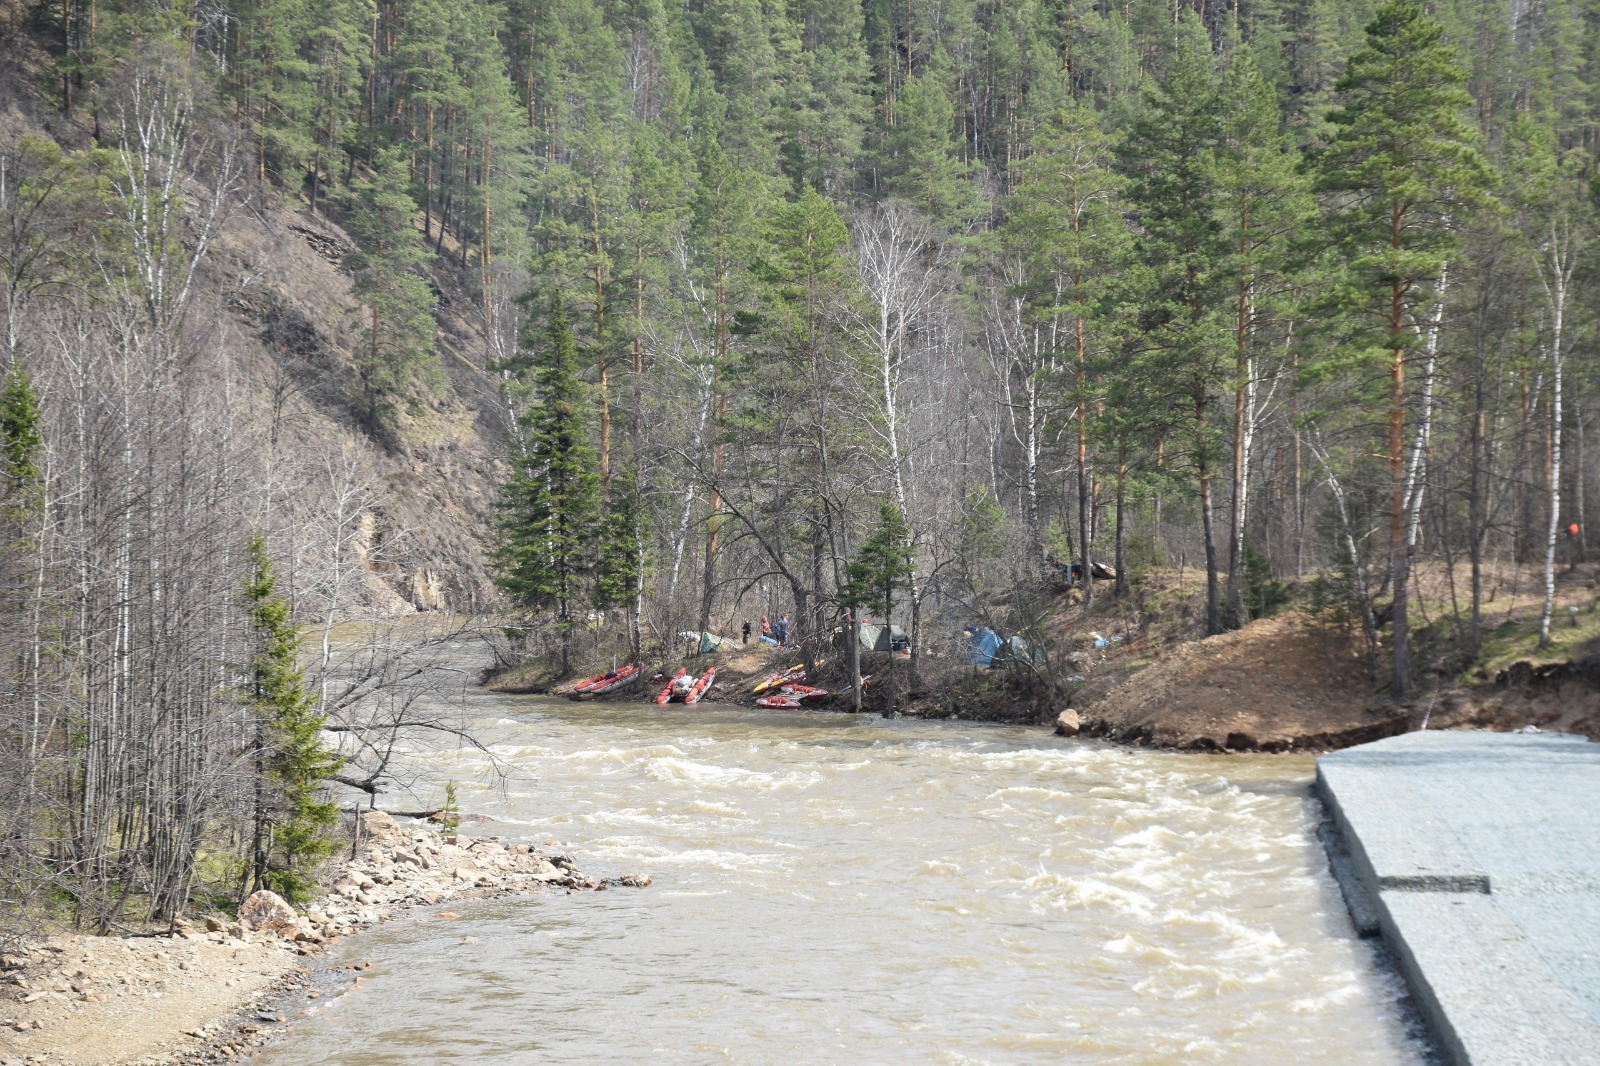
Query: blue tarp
column 981, row 647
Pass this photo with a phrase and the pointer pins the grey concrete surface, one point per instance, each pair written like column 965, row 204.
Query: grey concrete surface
column 1477, row 858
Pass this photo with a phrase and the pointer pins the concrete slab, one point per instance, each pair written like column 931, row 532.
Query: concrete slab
column 1480, row 854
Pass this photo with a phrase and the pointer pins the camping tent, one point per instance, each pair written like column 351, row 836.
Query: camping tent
column 985, row 648
column 981, row 646
column 708, row 642
column 1016, row 650
column 878, row 638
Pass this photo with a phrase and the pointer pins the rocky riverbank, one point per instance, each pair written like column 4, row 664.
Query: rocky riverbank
column 212, row 989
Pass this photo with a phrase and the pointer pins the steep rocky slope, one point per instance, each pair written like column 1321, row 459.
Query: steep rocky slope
column 276, row 297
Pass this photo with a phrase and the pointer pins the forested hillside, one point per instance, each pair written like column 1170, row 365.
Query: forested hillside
column 732, row 295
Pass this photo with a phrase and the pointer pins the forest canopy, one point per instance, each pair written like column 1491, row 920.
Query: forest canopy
column 1264, row 288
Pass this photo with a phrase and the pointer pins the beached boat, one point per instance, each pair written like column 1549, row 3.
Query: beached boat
column 707, row 679
column 779, row 703
column 625, row 677
column 865, row 681
column 610, row 679
column 666, row 693
column 794, row 675
column 803, row 692
column 782, row 677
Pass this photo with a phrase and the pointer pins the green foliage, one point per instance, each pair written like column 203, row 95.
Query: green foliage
column 621, row 566
column 1332, row 599
column 1404, row 168
column 397, row 354
column 1264, row 593
column 1066, row 220
column 550, row 507
column 292, row 763
column 20, row 437
column 883, row 565
column 923, row 157
column 21, row 495
column 450, row 810
column 1170, row 155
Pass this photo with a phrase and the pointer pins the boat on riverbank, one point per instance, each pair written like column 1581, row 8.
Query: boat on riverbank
column 674, row 692
column 803, row 692
column 707, row 679
column 621, row 677
column 666, row 693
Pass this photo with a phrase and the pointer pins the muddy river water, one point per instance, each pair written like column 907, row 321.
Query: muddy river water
column 838, row 889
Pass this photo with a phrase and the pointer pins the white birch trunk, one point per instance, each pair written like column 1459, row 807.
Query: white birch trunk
column 1557, row 266
column 1416, row 467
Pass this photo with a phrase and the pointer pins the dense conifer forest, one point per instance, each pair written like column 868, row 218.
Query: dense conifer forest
column 754, row 291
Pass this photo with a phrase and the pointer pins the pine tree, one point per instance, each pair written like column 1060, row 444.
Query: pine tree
column 291, row 762
column 1264, row 205
column 550, row 508
column 1403, row 168
column 805, row 276
column 397, row 353
column 1066, row 221
column 1169, row 152
column 924, row 160
column 272, row 82
column 829, row 105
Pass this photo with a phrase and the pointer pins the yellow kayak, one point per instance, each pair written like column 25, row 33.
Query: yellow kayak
column 797, row 672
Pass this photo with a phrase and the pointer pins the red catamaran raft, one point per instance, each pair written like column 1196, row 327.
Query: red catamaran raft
column 670, row 694
column 623, row 675
column 666, row 693
column 707, row 679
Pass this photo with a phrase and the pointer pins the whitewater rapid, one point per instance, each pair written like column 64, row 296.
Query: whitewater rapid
column 832, row 888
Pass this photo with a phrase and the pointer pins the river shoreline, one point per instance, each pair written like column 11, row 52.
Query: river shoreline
column 1279, row 685
column 215, row 989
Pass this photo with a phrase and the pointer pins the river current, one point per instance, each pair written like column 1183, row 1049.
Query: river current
column 832, row 888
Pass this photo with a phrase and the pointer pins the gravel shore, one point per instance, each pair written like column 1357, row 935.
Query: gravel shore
column 217, row 987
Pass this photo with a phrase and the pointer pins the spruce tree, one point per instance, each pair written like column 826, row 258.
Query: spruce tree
column 621, row 563
column 21, row 437
column 291, row 762
column 1402, row 169
column 550, row 507
column 881, row 570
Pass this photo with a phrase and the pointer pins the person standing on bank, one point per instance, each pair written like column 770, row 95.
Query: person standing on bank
column 745, row 633
column 783, row 631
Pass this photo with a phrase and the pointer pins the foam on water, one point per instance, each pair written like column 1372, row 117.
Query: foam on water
column 830, row 888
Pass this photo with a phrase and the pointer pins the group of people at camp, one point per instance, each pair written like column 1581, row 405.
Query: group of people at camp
column 771, row 632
